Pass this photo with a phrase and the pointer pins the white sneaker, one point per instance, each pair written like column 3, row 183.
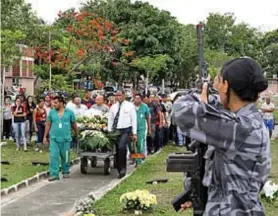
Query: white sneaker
column 17, row 149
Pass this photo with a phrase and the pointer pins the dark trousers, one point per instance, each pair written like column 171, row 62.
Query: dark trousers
column 30, row 119
column 166, row 135
column 121, row 148
column 41, row 128
column 151, row 139
column 158, row 140
column 7, row 130
column 172, row 133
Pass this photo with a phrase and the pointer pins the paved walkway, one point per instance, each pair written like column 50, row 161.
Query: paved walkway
column 56, row 198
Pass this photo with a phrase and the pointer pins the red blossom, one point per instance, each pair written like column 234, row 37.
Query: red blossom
column 95, row 23
column 69, row 28
column 107, row 25
column 79, row 32
column 129, row 53
column 99, row 19
column 115, row 64
column 126, row 41
column 114, row 32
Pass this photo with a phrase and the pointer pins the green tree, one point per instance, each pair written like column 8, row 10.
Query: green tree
column 18, row 26
column 218, row 30
column 9, row 48
column 151, row 32
column 268, row 55
column 223, row 35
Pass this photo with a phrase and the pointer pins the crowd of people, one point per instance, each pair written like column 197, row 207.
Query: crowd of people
column 144, row 119
column 23, row 117
column 26, row 117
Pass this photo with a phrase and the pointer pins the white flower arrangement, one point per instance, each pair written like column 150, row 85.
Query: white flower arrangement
column 270, row 191
column 85, row 206
column 93, row 133
column 138, row 201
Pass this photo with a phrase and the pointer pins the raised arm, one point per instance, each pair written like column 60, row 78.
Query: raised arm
column 207, row 124
column 19, row 115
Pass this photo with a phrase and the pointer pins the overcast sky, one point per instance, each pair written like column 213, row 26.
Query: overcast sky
column 262, row 14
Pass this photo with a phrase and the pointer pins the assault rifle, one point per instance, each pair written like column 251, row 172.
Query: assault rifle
column 192, row 162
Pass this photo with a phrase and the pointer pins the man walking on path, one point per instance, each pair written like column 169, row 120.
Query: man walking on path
column 59, row 122
column 122, row 117
column 143, row 123
column 156, row 123
column 268, row 109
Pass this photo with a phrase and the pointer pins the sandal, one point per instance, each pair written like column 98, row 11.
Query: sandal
column 52, row 179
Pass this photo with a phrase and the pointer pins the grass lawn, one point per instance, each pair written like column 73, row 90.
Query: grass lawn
column 155, row 167
column 275, row 113
column 20, row 166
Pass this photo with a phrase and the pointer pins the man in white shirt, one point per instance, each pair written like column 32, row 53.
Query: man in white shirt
column 268, row 109
column 99, row 105
column 123, row 118
column 70, row 105
column 78, row 108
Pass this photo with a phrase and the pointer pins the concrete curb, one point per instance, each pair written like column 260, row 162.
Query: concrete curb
column 98, row 194
column 30, row 181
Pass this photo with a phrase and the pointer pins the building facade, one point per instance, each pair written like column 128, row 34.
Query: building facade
column 22, row 71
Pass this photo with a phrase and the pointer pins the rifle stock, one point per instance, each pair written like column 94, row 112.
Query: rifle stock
column 193, row 164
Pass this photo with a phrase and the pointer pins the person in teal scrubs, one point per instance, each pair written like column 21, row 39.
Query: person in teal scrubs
column 60, row 122
column 143, row 123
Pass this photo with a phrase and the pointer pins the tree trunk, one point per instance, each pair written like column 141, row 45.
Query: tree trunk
column 120, row 81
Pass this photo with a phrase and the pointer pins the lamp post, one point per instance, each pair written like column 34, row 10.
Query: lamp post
column 2, row 95
column 49, row 55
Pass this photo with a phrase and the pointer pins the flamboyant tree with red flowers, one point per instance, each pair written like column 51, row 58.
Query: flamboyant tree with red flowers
column 88, row 39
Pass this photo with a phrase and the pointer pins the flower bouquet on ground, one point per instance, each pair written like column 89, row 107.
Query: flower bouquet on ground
column 93, row 134
column 85, row 207
column 270, row 191
column 138, row 201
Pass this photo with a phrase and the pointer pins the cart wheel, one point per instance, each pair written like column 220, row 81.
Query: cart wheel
column 107, row 168
column 93, row 161
column 84, row 165
column 114, row 162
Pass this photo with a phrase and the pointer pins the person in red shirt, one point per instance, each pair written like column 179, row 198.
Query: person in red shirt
column 21, row 90
column 39, row 118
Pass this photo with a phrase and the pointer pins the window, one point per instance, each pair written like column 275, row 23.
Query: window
column 16, row 69
column 15, row 81
column 30, row 69
column 24, row 68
